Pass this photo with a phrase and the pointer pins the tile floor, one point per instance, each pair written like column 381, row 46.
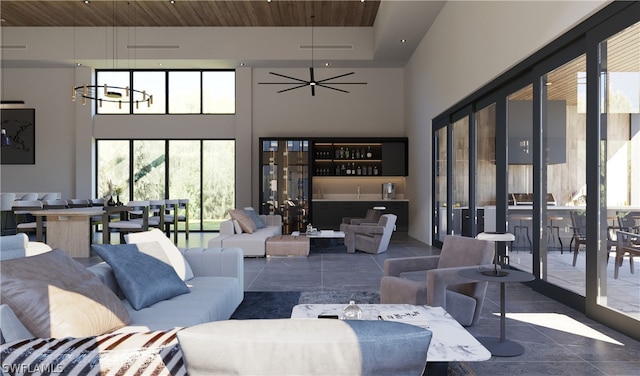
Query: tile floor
column 557, row 339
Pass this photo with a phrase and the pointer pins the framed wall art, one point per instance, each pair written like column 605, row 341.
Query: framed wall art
column 20, row 125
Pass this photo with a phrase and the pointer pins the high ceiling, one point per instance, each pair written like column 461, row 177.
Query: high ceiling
column 277, row 13
column 356, row 33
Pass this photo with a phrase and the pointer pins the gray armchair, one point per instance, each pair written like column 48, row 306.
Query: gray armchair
column 443, row 286
column 372, row 216
column 369, row 237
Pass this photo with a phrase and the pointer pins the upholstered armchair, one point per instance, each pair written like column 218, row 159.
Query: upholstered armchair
column 372, row 216
column 443, row 287
column 369, row 237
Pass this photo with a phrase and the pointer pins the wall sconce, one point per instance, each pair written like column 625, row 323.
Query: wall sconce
column 5, row 140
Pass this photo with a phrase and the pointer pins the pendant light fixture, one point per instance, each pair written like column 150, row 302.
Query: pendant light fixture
column 105, row 92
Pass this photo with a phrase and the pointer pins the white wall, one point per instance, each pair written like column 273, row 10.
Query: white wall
column 374, row 109
column 470, row 43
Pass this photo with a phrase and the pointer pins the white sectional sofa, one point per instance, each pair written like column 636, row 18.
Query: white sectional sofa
column 214, row 278
column 253, row 244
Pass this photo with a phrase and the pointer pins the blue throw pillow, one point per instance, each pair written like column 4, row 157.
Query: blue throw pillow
column 255, row 218
column 143, row 279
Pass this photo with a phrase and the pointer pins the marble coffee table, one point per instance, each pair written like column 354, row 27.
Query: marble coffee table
column 450, row 342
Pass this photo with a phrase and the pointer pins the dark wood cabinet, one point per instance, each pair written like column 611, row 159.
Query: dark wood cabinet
column 328, row 214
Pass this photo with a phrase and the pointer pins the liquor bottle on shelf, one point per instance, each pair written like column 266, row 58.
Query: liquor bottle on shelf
column 343, row 170
column 357, row 154
column 375, row 170
column 359, row 170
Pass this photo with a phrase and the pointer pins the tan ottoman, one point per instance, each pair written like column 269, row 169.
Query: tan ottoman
column 287, row 245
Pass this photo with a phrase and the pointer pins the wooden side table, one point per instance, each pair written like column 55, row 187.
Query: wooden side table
column 499, row 346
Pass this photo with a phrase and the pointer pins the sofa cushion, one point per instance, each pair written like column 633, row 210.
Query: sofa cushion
column 245, row 221
column 211, row 299
column 175, row 258
column 55, row 296
column 255, row 217
column 144, row 279
column 304, row 347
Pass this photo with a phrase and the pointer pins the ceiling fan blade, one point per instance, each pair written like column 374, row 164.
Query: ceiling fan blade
column 332, row 88
column 334, row 77
column 289, row 77
column 283, row 83
column 342, row 83
column 311, row 74
column 292, row 88
column 313, row 90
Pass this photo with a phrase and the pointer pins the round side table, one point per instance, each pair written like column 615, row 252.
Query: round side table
column 499, row 346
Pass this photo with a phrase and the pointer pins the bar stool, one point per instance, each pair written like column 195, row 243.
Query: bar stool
column 521, row 228
column 551, row 239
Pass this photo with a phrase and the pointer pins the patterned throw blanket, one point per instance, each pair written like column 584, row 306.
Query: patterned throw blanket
column 151, row 353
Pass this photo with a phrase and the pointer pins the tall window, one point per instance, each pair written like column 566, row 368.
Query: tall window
column 173, row 92
column 202, row 171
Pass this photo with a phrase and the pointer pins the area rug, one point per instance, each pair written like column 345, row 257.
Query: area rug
column 278, row 304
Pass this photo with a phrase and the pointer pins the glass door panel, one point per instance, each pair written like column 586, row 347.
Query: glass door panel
column 520, row 175
column 148, row 169
column 460, row 178
column 184, row 178
column 486, row 168
column 565, row 158
column 218, row 182
column 620, row 103
column 113, row 168
column 440, row 185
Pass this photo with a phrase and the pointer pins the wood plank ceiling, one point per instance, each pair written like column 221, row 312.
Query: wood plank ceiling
column 185, row 13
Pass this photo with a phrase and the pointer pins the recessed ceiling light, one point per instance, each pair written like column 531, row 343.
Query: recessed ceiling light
column 403, row 40
column 86, row 1
column 78, row 64
column 241, row 64
column 172, row 1
column 327, row 64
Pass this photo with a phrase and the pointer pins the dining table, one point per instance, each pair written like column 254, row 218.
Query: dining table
column 67, row 229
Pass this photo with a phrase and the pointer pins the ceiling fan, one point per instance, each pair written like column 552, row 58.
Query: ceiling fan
column 312, row 82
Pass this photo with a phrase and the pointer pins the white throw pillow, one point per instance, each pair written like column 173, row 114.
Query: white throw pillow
column 176, row 259
column 236, row 226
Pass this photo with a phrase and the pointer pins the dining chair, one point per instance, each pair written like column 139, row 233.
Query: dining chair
column 628, row 243
column 629, row 221
column 170, row 208
column 7, row 218
column 28, row 197
column 133, row 217
column 49, row 196
column 55, row 204
column 579, row 227
column 25, row 222
column 180, row 214
column 156, row 213
column 78, row 203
